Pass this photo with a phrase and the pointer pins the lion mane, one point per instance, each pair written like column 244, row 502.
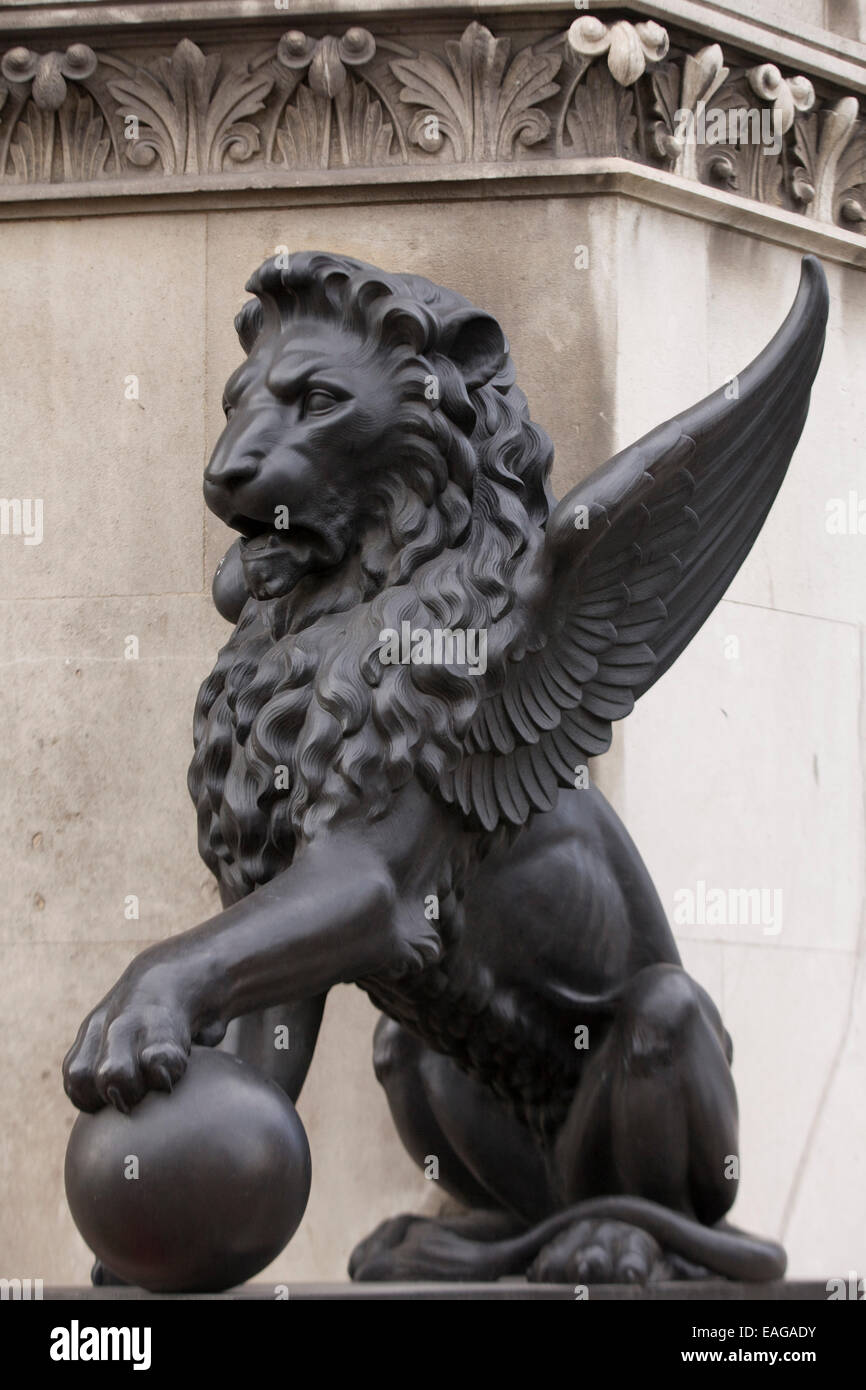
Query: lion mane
column 300, row 722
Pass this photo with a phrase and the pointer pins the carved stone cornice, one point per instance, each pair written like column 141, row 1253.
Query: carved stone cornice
column 123, row 117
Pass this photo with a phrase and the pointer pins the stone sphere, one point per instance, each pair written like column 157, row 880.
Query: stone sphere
column 193, row 1191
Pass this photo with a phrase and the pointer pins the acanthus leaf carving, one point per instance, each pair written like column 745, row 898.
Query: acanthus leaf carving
column 851, row 181
column 191, row 112
column 309, row 135
column 743, row 144
column 669, row 137
column 84, row 142
column 601, row 119
column 304, row 137
column 752, row 170
column 831, row 163
column 32, row 151
column 681, row 101
column 84, row 146
column 365, row 136
column 480, row 101
column 42, row 100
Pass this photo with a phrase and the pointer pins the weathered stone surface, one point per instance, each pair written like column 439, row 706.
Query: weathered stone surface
column 801, row 776
column 90, row 727
column 114, row 364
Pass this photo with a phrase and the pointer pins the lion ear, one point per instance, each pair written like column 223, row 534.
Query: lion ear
column 476, row 345
column 248, row 324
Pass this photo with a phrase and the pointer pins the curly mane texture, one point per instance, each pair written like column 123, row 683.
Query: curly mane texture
column 300, row 721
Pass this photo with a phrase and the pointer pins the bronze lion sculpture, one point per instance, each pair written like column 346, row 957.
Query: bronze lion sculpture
column 391, row 775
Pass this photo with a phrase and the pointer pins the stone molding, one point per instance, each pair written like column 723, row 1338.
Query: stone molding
column 114, row 117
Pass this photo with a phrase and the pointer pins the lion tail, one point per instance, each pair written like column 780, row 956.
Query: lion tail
column 723, row 1250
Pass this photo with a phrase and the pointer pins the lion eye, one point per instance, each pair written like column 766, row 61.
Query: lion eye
column 318, row 402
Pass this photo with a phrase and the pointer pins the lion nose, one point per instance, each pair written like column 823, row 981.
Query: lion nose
column 235, row 469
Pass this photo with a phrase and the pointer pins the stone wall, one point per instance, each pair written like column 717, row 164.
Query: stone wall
column 743, row 768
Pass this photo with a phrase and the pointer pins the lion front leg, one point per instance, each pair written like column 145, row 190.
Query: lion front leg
column 344, row 911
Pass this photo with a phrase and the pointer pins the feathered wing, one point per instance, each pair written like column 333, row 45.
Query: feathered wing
column 635, row 559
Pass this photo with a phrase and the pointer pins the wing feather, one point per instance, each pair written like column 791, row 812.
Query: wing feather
column 664, row 527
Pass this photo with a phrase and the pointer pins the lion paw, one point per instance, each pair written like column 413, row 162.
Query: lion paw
column 417, row 1247
column 125, row 1048
column 400, row 1248
column 598, row 1252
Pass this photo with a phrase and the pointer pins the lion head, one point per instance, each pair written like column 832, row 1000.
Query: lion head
column 381, row 467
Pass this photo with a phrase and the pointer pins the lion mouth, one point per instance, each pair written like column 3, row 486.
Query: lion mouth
column 274, row 560
column 260, row 538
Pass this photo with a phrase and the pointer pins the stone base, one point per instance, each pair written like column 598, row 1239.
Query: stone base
column 709, row 1290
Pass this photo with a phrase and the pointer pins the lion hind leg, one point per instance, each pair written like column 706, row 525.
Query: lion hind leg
column 463, row 1136
column 457, row 1130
